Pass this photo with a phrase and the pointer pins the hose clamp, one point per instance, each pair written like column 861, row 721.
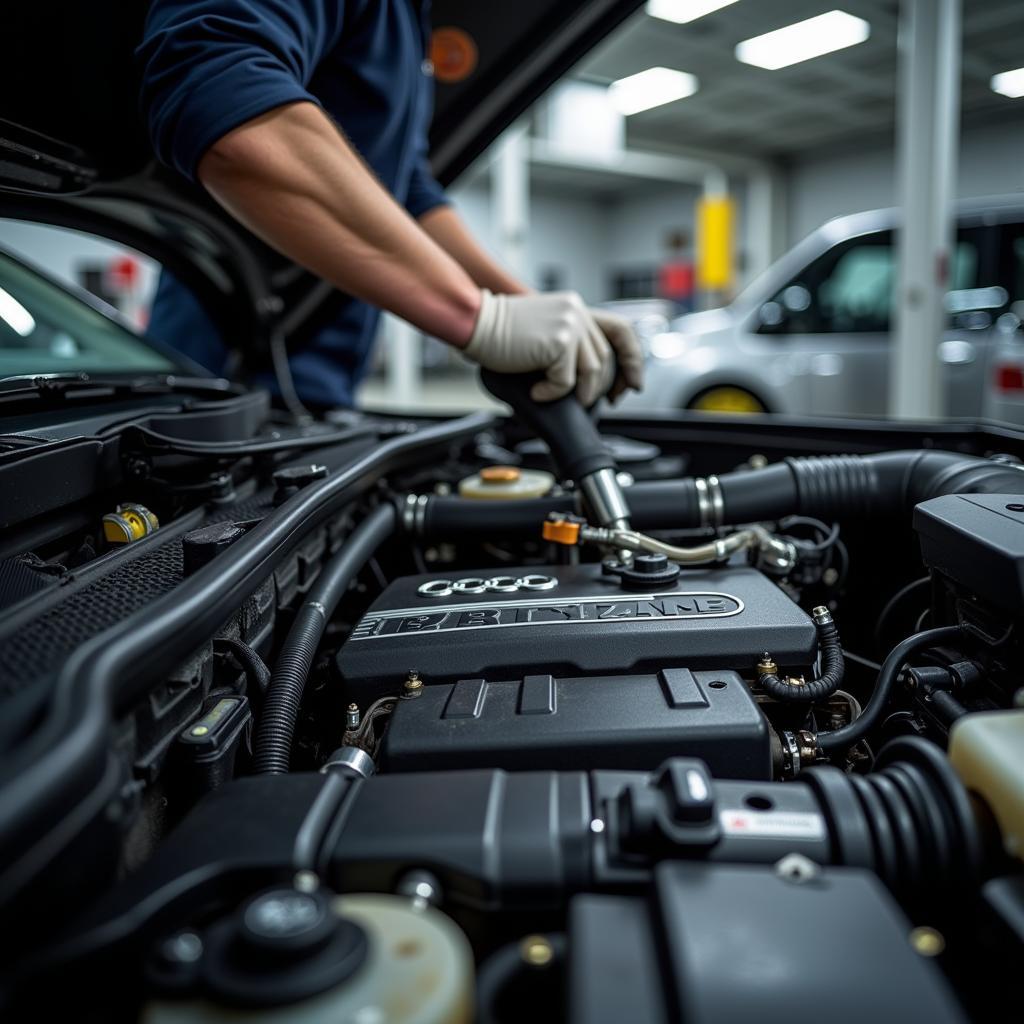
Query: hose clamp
column 700, row 485
column 790, row 755
column 414, row 513
column 717, row 501
column 710, row 501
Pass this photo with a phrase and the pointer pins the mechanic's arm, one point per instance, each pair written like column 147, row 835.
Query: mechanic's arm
column 291, row 178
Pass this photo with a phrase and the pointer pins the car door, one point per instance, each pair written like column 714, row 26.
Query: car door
column 830, row 327
column 1004, row 386
column 833, row 322
column 966, row 348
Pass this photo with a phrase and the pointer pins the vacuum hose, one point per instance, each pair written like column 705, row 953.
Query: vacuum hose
column 797, row 691
column 284, row 694
column 827, row 487
column 832, row 743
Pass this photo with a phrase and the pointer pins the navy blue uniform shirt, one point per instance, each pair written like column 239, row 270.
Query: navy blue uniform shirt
column 210, row 65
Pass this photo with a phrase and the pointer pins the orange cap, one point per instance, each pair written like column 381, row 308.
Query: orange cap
column 561, row 531
column 500, row 474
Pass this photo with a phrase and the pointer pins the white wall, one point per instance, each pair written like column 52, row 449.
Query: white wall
column 638, row 225
column 565, row 232
column 991, row 163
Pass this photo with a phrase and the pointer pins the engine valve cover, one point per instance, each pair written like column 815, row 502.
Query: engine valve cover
column 569, row 621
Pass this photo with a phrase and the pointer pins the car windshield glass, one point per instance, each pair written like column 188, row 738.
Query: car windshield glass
column 44, row 329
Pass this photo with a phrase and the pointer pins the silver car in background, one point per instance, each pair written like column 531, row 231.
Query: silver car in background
column 811, row 335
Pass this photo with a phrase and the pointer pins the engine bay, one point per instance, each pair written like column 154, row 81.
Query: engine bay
column 411, row 720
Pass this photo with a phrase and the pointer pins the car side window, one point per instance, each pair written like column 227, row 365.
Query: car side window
column 849, row 289
column 1011, row 259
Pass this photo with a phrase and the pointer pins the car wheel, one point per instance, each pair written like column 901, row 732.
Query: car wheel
column 726, row 398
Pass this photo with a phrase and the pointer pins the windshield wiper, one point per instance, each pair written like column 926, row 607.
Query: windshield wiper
column 60, row 387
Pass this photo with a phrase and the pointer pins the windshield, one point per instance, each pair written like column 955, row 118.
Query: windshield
column 44, row 329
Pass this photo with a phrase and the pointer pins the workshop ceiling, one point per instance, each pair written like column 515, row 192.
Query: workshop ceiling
column 841, row 99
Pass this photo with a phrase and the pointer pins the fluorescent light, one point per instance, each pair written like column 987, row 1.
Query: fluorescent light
column 651, row 88
column 803, row 40
column 1009, row 83
column 682, row 11
column 15, row 315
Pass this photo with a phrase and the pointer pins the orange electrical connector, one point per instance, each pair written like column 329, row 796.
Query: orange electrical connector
column 562, row 531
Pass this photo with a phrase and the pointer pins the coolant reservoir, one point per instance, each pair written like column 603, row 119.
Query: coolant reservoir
column 987, row 751
column 506, row 482
column 418, row 970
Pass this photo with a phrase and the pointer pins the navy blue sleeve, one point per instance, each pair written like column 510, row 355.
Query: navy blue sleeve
column 424, row 192
column 210, row 65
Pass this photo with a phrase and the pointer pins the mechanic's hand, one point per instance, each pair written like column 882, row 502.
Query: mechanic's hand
column 555, row 333
column 628, row 354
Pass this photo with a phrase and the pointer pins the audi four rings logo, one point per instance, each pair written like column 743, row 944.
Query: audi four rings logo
column 495, row 585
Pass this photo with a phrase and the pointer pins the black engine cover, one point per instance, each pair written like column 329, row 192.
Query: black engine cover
column 586, row 625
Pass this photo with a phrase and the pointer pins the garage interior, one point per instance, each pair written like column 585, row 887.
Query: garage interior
column 578, row 195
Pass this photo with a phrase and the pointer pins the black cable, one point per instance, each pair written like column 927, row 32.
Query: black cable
column 832, row 668
column 829, row 534
column 842, row 739
column 284, row 694
column 257, row 675
column 285, row 380
column 890, row 605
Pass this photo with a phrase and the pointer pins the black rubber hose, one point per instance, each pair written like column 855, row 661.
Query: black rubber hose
column 653, row 505
column 840, row 740
column 284, row 694
column 832, row 487
column 815, row 690
column 257, row 675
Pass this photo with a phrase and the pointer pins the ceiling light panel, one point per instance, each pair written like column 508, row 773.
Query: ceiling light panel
column 651, row 88
column 682, row 11
column 803, row 40
column 1009, row 83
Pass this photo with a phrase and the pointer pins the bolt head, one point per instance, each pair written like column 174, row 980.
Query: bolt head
column 927, row 941
column 537, row 951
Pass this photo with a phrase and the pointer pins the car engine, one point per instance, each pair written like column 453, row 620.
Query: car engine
column 386, row 719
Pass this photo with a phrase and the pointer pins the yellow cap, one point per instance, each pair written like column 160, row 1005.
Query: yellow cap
column 561, row 531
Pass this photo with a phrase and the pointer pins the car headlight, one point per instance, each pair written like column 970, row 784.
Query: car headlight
column 667, row 345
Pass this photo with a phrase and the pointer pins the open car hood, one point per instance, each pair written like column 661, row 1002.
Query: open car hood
column 74, row 152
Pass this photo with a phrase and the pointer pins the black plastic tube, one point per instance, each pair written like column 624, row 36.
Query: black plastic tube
column 833, row 487
column 815, row 690
column 284, row 694
column 840, row 740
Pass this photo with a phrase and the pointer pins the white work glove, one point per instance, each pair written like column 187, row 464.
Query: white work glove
column 628, row 354
column 555, row 333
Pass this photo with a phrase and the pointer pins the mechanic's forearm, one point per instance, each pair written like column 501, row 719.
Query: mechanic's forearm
column 293, row 179
column 446, row 228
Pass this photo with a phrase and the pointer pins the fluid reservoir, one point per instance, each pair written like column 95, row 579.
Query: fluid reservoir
column 987, row 751
column 417, row 969
column 506, row 482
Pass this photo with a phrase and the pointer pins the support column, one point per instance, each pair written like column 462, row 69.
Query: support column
column 927, row 145
column 510, row 198
column 765, row 223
